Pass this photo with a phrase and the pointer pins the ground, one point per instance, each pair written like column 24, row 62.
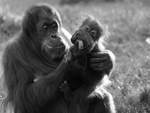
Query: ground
column 129, row 39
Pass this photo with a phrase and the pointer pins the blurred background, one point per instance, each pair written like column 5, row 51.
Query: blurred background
column 128, row 22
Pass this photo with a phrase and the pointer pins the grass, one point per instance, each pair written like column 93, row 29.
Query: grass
column 129, row 27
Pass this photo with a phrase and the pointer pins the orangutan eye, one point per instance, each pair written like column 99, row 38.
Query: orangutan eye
column 45, row 26
column 93, row 33
column 54, row 25
column 87, row 28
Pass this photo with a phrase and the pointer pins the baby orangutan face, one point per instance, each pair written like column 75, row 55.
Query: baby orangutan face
column 87, row 35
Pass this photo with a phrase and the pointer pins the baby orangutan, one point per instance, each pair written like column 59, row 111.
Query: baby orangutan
column 80, row 91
